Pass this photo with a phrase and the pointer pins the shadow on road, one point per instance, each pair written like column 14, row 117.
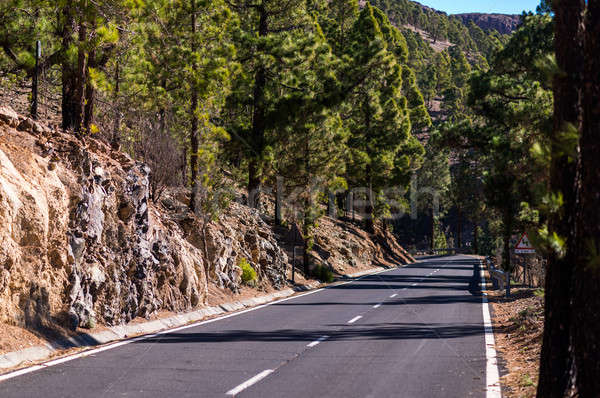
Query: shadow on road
column 383, row 331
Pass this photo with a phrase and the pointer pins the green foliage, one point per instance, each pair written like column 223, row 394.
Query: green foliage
column 249, row 276
column 439, row 241
column 322, row 273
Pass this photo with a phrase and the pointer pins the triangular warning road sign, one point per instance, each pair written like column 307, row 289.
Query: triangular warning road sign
column 524, row 245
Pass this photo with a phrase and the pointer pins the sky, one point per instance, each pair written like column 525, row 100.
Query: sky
column 484, row 6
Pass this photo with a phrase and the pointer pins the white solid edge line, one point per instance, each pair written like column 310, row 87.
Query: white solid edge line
column 377, row 305
column 492, row 376
column 356, row 318
column 249, row 382
column 117, row 344
column 317, row 341
column 393, row 295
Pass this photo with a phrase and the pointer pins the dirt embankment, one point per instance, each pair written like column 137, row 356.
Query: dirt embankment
column 83, row 245
column 518, row 326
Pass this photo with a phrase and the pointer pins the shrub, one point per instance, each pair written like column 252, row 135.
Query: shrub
column 248, row 273
column 323, row 273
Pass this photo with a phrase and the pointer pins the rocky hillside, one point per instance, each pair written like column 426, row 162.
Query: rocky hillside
column 83, row 244
column 503, row 23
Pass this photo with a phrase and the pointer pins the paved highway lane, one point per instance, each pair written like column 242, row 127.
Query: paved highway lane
column 409, row 332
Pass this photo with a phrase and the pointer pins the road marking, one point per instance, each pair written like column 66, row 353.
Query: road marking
column 356, row 318
column 414, row 284
column 317, row 341
column 249, row 382
column 377, row 305
column 393, row 295
column 492, row 376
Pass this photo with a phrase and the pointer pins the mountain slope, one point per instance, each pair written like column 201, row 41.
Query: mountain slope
column 503, row 23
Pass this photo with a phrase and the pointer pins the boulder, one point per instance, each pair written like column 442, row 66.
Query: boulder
column 9, row 116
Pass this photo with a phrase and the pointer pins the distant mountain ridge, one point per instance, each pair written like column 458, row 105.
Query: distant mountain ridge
column 503, row 23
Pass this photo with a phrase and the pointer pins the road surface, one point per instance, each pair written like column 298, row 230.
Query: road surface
column 408, row 332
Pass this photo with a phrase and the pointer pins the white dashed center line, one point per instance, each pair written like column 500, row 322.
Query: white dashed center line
column 317, row 341
column 393, row 295
column 249, row 382
column 356, row 318
column 377, row 305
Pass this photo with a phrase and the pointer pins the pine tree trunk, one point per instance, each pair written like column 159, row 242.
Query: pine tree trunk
column 254, row 183
column 459, row 229
column 370, row 222
column 69, row 81
column 586, row 300
column 90, row 92
column 350, row 205
column 476, row 239
column 306, row 237
column 194, row 120
column 79, row 100
column 432, row 232
column 258, row 120
column 278, row 200
column 506, row 235
column 115, row 141
column 555, row 361
column 332, row 209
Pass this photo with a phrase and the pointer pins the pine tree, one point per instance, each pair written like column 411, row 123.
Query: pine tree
column 309, row 152
column 186, row 63
column 379, row 118
column 266, row 35
column 585, row 322
column 556, row 363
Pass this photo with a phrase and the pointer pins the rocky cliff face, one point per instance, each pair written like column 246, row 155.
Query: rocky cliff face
column 82, row 244
column 503, row 23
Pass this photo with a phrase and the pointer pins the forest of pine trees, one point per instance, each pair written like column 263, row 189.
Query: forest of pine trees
column 322, row 95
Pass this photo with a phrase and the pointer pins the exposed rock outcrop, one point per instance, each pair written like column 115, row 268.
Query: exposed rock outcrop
column 503, row 23
column 346, row 248
column 82, row 243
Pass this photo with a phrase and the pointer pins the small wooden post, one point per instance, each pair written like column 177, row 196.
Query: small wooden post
column 294, row 264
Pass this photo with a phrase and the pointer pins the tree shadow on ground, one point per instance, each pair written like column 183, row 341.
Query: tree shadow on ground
column 384, row 331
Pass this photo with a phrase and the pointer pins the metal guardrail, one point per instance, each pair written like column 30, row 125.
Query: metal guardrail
column 501, row 278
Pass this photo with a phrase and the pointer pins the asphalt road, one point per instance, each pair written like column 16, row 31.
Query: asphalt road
column 409, row 332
